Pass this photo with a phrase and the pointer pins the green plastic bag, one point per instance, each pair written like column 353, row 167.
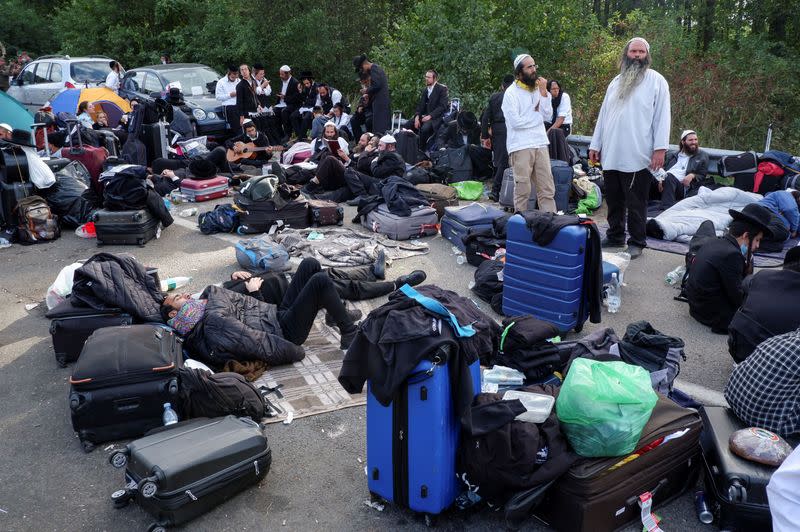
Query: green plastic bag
column 603, row 406
column 468, row 190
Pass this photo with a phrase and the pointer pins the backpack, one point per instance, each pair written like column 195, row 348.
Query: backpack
column 204, row 394
column 223, row 219
column 37, row 223
column 261, row 254
column 125, row 189
column 705, row 232
column 524, row 346
column 456, row 162
column 260, row 188
column 489, row 284
column 656, row 352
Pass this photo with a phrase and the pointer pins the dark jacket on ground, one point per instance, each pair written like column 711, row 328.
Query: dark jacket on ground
column 771, row 307
column 698, row 165
column 714, row 288
column 118, row 281
column 436, row 105
column 239, row 327
column 379, row 100
column 388, row 163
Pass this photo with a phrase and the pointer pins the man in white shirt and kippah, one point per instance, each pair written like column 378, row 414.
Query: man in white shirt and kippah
column 630, row 140
column 225, row 94
column 526, row 104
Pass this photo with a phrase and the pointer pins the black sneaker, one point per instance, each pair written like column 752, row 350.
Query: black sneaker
column 412, row 279
column 379, row 266
column 606, row 243
column 353, row 315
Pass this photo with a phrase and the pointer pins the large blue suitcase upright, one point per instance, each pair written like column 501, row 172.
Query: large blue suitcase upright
column 546, row 282
column 411, row 444
column 458, row 222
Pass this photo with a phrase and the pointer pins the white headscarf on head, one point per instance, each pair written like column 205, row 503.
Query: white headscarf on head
column 644, row 41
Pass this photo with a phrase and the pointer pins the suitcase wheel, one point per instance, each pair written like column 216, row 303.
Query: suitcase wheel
column 118, row 459
column 121, row 498
column 147, row 487
column 579, row 328
column 155, row 527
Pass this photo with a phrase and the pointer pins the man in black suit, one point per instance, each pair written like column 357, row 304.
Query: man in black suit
column 431, row 108
column 301, row 118
column 289, row 99
column 493, row 135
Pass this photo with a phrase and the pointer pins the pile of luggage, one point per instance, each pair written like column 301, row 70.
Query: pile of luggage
column 772, row 170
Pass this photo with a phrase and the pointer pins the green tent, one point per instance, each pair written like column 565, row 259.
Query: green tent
column 13, row 113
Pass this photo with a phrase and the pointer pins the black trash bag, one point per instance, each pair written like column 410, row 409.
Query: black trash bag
column 66, row 197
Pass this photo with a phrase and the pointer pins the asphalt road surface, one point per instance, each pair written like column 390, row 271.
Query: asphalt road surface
column 317, row 481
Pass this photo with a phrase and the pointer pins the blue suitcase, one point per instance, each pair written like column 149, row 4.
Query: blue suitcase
column 562, row 178
column 458, row 222
column 412, row 443
column 546, row 282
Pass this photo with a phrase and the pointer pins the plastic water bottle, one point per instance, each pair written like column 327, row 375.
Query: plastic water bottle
column 613, row 299
column 675, row 277
column 4, row 243
column 461, row 259
column 174, row 282
column 186, row 213
column 170, row 417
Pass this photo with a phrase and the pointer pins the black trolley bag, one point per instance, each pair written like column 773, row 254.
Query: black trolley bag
column 178, row 472
column 735, row 488
column 258, row 216
column 599, row 494
column 71, row 326
column 130, row 227
column 122, row 380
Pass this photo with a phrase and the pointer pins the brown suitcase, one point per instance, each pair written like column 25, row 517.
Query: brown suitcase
column 440, row 196
column 324, row 212
column 598, row 494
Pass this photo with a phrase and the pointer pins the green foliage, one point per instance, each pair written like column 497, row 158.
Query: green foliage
column 24, row 29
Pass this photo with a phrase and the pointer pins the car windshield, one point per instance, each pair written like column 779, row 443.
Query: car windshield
column 89, row 70
column 193, row 80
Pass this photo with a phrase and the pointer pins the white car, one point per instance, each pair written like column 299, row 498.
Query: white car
column 44, row 77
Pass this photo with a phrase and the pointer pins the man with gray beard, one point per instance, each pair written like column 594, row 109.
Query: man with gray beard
column 630, row 139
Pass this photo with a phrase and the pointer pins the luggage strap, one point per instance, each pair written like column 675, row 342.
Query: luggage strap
column 462, row 331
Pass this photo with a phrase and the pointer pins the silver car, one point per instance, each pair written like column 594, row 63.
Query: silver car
column 43, row 78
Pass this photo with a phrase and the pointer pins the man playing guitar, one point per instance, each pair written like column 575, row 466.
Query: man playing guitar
column 251, row 147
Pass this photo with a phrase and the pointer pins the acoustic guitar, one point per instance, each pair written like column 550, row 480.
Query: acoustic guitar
column 249, row 151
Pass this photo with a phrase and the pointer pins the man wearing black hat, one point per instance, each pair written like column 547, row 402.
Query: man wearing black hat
column 20, row 137
column 180, row 123
column 493, row 135
column 377, row 94
column 714, row 287
column 225, row 93
column 771, row 307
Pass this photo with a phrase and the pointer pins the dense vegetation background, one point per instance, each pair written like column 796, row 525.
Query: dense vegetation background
column 733, row 65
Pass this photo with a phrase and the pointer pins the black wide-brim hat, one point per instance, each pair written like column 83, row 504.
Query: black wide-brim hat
column 202, row 168
column 358, row 61
column 754, row 214
column 466, row 120
column 20, row 137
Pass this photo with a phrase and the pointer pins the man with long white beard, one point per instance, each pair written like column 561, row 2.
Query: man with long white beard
column 630, row 139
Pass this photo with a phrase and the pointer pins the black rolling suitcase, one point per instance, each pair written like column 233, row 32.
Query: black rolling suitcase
column 71, row 325
column 179, row 472
column 259, row 216
column 121, row 381
column 735, row 488
column 155, row 138
column 126, row 227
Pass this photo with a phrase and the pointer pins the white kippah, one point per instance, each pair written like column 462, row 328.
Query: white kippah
column 286, row 68
column 388, row 139
column 519, row 58
column 329, row 123
column 687, row 132
column 646, row 44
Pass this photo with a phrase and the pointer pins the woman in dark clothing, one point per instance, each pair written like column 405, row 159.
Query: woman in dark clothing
column 562, row 108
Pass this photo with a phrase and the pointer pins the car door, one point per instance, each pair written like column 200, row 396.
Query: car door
column 41, row 83
column 132, row 85
column 55, row 82
column 22, row 84
column 152, row 84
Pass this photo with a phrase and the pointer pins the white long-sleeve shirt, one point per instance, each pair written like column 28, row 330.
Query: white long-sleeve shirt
column 524, row 124
column 112, row 80
column 224, row 89
column 629, row 131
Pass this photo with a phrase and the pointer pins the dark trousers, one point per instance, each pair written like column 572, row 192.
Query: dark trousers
column 232, row 117
column 330, row 173
column 286, row 119
column 301, row 123
column 673, row 192
column 357, row 284
column 499, row 159
column 310, row 291
column 216, row 156
column 626, row 195
column 425, row 132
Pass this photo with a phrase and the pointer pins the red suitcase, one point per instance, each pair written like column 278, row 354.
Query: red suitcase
column 205, row 189
column 91, row 157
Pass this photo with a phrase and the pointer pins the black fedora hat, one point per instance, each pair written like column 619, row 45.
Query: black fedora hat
column 202, row 168
column 306, row 74
column 358, row 61
column 754, row 214
column 466, row 120
column 20, row 137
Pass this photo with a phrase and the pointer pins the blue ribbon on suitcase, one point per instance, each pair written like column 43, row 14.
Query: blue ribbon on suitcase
column 462, row 331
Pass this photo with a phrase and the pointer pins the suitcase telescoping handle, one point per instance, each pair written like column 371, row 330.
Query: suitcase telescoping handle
column 42, row 125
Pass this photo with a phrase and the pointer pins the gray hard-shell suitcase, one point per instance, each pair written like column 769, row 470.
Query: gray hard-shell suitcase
column 126, row 227
column 506, row 198
column 181, row 471
column 423, row 221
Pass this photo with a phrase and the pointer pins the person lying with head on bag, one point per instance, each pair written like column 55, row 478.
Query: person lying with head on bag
column 222, row 325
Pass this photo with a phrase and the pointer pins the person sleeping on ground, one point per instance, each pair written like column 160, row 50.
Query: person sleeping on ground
column 223, row 325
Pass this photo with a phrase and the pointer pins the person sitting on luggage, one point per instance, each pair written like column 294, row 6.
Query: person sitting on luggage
column 85, row 112
column 714, row 287
column 56, row 141
column 785, row 208
column 686, row 171
column 169, row 179
column 5, row 131
column 302, row 117
column 771, row 307
column 180, row 123
column 764, row 390
column 352, row 284
column 224, row 325
column 431, row 107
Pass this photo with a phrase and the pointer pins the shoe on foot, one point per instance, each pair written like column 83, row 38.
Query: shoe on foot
column 492, row 197
column 634, row 251
column 606, row 243
column 379, row 266
column 352, row 316
column 412, row 279
column 347, row 337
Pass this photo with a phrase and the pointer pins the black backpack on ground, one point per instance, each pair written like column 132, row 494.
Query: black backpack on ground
column 487, row 286
column 223, row 219
column 126, row 190
column 203, row 394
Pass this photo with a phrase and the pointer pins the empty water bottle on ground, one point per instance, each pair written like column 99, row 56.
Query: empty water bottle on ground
column 186, row 213
column 675, row 277
column 613, row 297
column 172, row 283
column 170, row 417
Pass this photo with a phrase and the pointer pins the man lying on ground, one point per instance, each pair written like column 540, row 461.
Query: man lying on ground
column 222, row 325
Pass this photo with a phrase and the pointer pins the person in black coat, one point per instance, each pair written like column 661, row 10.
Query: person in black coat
column 246, row 100
column 433, row 104
column 493, row 135
column 302, row 117
column 289, row 99
column 378, row 94
column 686, row 169
column 771, row 307
column 714, row 286
column 465, row 131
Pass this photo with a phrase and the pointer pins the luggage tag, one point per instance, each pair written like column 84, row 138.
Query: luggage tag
column 648, row 518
